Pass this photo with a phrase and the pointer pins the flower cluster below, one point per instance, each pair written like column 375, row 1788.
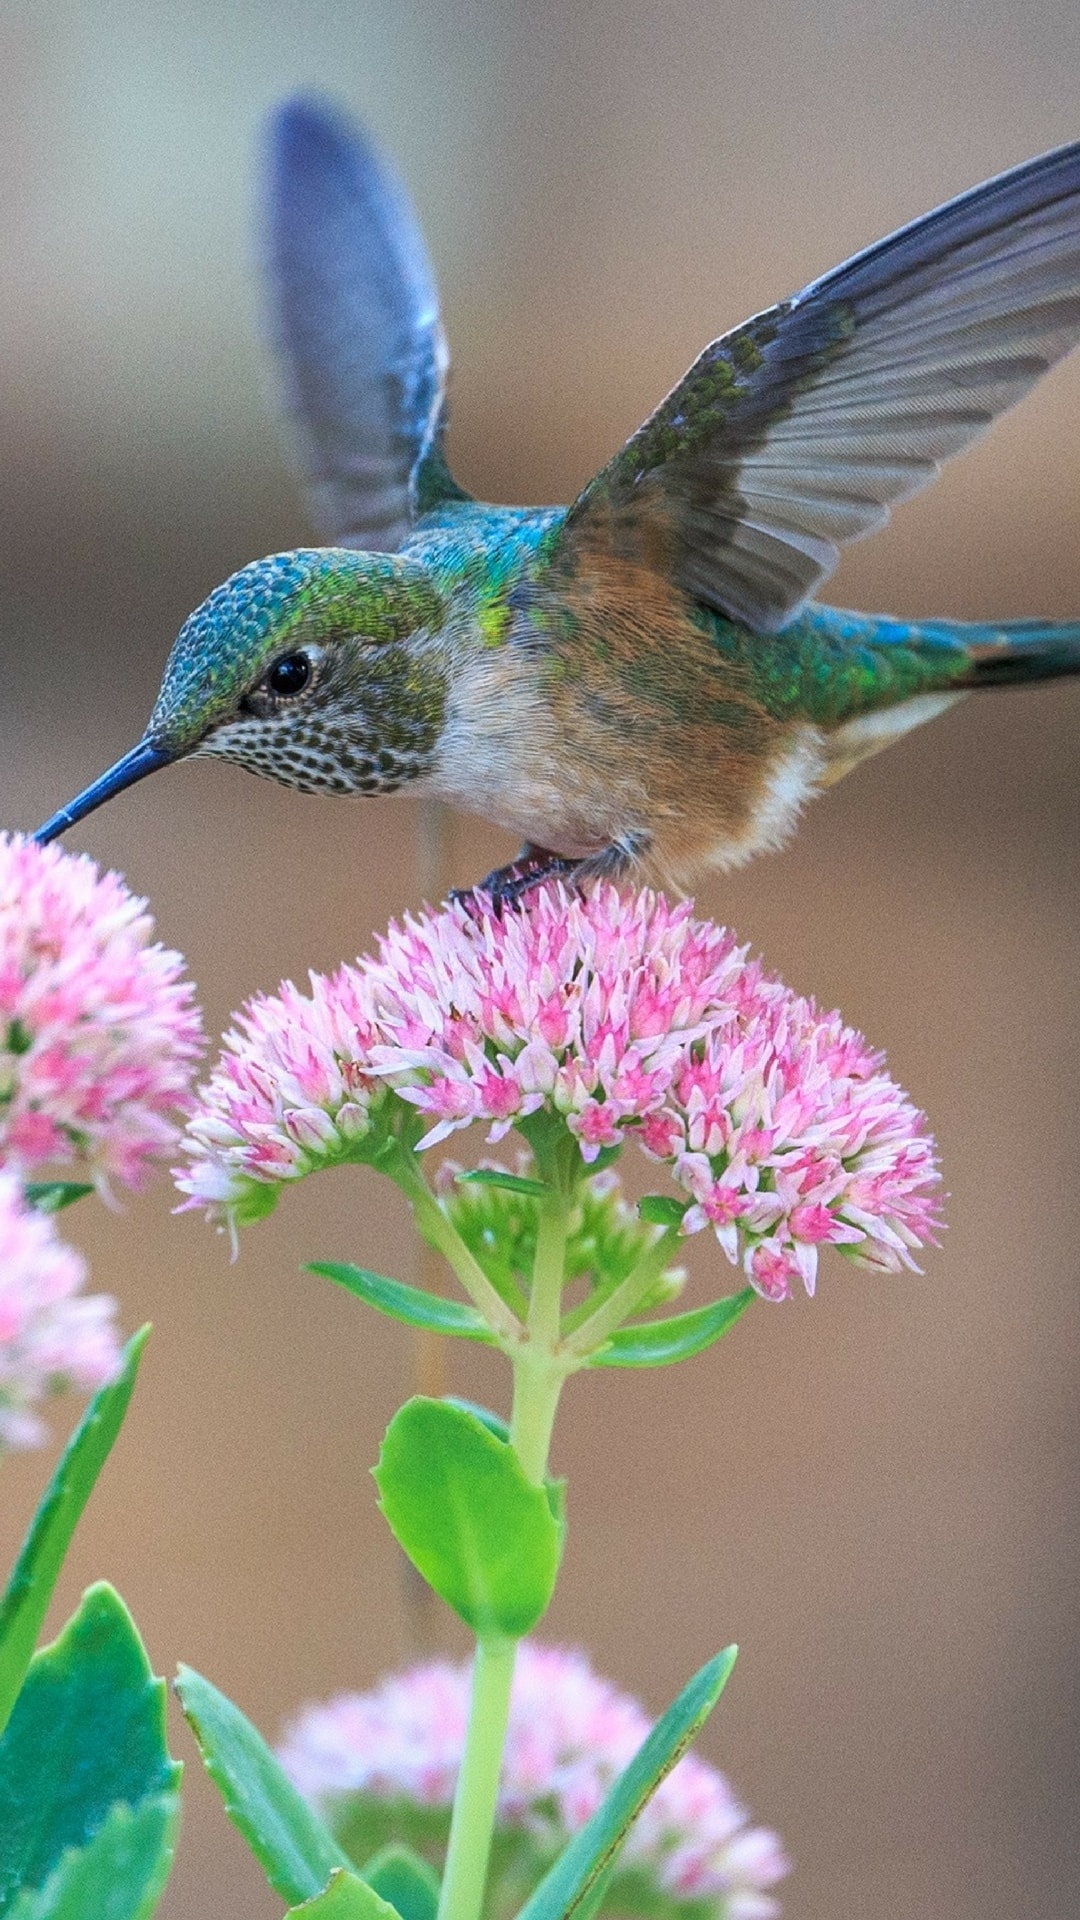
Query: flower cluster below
column 624, row 1016
column 99, row 1032
column 570, row 1734
column 51, row 1335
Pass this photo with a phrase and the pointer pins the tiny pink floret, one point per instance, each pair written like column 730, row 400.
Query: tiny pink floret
column 625, row 1016
column 570, row 1734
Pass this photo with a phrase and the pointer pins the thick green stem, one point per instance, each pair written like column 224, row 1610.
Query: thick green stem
column 473, row 1821
column 627, row 1295
column 538, row 1382
column 440, row 1232
column 549, row 1269
column 539, row 1374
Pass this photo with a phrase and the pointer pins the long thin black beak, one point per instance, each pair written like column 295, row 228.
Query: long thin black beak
column 135, row 765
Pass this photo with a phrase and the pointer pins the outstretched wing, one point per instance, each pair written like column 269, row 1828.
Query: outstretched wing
column 354, row 313
column 797, row 431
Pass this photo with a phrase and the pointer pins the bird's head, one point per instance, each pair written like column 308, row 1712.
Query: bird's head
column 319, row 668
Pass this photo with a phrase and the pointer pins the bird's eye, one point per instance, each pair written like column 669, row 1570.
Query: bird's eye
column 289, row 676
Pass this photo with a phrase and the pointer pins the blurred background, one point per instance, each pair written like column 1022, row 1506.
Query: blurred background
column 875, row 1493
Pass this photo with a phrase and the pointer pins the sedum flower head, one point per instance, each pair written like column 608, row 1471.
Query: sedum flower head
column 389, row 1760
column 620, row 1016
column 52, row 1336
column 99, row 1032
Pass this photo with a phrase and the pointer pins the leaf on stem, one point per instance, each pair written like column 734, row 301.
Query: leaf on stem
column 494, row 1422
column 509, row 1182
column 662, row 1210
column 569, row 1885
column 405, row 1879
column 119, row 1875
column 34, row 1576
column 458, row 1502
column 52, row 1196
column 296, row 1851
column 345, row 1897
column 411, row 1304
column 87, row 1732
column 658, row 1343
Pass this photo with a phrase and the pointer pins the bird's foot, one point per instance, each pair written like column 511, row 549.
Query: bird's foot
column 508, row 886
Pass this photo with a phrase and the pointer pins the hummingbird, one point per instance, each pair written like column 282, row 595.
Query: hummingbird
column 639, row 684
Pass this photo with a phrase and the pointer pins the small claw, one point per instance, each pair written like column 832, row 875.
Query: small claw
column 534, row 866
column 507, row 886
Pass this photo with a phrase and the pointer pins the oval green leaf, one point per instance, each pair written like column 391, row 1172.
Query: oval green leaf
column 411, row 1304
column 658, row 1343
column 119, row 1875
column 568, row 1887
column 34, row 1576
column 459, row 1504
column 296, row 1851
column 87, row 1730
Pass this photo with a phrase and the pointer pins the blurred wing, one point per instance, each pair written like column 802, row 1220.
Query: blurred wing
column 354, row 314
column 796, row 432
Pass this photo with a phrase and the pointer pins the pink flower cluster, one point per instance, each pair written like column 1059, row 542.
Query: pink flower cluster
column 99, row 1035
column 624, row 1015
column 51, row 1336
column 570, row 1734
column 99, row 1032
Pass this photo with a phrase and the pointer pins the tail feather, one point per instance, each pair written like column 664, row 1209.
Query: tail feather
column 835, row 666
column 867, row 679
column 1018, row 651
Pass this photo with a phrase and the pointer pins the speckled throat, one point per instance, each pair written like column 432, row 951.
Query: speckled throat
column 367, row 732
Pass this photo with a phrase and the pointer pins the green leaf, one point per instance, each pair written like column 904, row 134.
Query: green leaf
column 30, row 1587
column 87, row 1730
column 406, row 1880
column 660, row 1210
column 346, row 1897
column 51, row 1196
column 509, row 1182
column 410, row 1304
column 119, row 1875
column 657, row 1343
column 458, row 1502
column 567, row 1888
column 494, row 1422
column 296, row 1851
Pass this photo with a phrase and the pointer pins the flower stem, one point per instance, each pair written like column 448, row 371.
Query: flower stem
column 439, row 1231
column 627, row 1295
column 473, row 1820
column 549, row 1270
column 538, row 1382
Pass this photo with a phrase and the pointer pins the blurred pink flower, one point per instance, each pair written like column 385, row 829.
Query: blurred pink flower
column 99, row 1032
column 51, row 1335
column 622, row 1014
column 570, row 1734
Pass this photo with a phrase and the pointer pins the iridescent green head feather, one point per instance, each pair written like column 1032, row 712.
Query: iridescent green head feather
column 321, row 668
column 314, row 600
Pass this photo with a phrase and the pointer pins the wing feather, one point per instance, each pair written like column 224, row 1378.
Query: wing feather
column 799, row 430
column 354, row 315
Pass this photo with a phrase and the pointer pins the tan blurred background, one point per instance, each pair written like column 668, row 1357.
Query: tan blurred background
column 876, row 1493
